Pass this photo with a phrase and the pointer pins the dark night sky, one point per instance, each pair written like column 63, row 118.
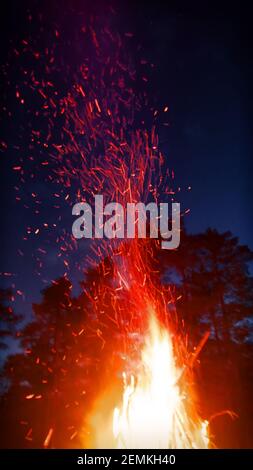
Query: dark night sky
column 202, row 71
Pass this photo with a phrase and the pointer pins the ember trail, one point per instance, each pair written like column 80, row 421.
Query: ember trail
column 108, row 155
column 133, row 341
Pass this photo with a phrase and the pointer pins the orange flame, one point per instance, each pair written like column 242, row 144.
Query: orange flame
column 155, row 411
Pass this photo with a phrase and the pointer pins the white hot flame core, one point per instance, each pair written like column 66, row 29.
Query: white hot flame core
column 154, row 412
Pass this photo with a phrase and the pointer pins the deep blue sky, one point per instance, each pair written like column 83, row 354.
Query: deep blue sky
column 202, row 71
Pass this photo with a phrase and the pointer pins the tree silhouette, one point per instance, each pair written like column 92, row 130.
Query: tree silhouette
column 43, row 377
column 214, row 283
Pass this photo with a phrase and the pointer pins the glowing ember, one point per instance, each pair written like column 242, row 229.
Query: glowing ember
column 155, row 411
